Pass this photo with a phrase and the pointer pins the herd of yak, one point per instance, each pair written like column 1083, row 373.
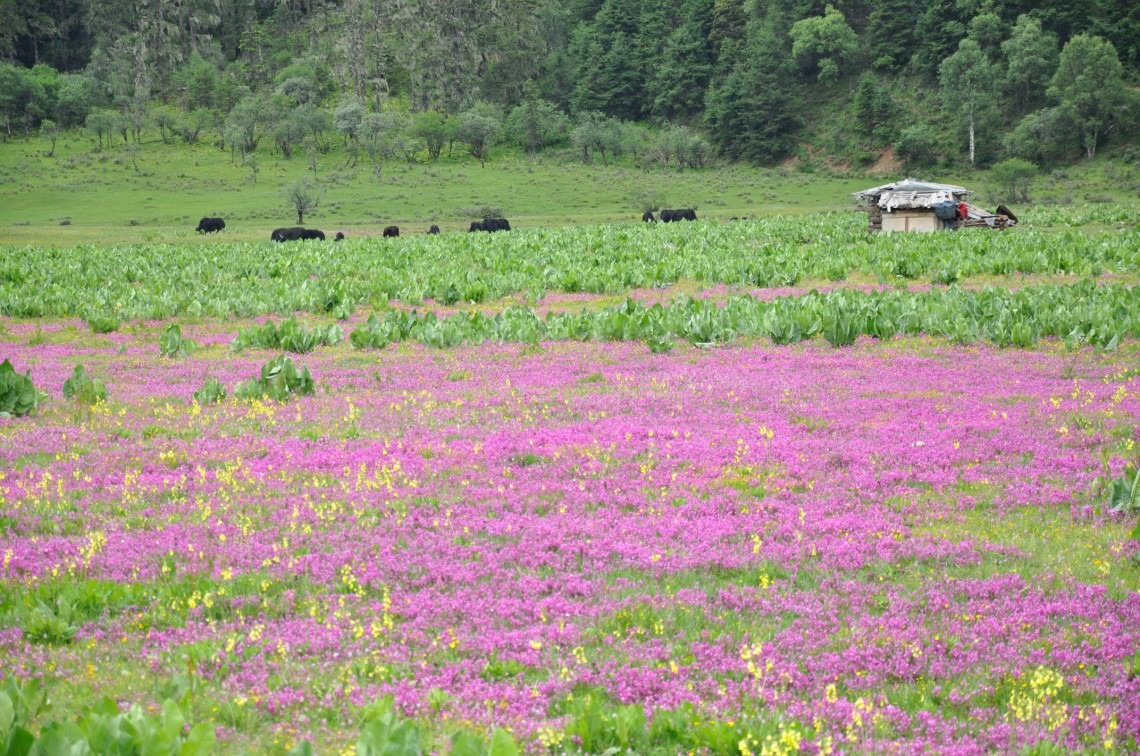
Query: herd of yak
column 211, row 225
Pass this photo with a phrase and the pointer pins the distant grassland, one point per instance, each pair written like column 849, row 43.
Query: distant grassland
column 109, row 201
column 157, row 193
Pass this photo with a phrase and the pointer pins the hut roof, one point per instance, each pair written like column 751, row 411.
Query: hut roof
column 912, row 194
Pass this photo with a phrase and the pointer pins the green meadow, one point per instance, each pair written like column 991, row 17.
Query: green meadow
column 157, row 192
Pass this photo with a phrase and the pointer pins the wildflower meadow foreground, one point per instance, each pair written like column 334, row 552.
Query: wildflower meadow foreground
column 899, row 546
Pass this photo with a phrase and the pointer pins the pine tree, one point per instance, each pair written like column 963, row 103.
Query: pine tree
column 938, row 30
column 728, row 23
column 890, row 30
column 679, row 86
column 750, row 114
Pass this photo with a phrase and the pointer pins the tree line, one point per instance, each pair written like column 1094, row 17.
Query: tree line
column 755, row 80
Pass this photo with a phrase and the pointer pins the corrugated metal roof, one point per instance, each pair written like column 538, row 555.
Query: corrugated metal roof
column 909, row 200
column 912, row 185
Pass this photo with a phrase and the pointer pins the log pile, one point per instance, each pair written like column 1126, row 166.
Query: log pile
column 874, row 218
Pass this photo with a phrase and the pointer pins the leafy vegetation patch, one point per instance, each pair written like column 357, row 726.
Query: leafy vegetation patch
column 84, row 388
column 18, row 395
column 280, row 380
column 290, row 337
column 219, row 279
column 1081, row 314
column 172, row 344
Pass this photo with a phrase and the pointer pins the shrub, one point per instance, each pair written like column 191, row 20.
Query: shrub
column 647, row 199
column 915, row 147
column 1012, row 178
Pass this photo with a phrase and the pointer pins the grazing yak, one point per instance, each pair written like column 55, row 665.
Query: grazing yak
column 391, row 231
column 286, row 234
column 295, row 233
column 210, row 225
column 1003, row 210
column 339, row 236
column 669, row 216
column 647, row 217
column 434, row 229
column 490, row 224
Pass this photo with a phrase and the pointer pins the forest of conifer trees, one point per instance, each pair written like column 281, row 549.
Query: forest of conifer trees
column 974, row 81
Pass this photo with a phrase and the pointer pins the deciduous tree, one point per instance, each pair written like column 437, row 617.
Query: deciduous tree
column 1031, row 59
column 967, row 78
column 1012, row 177
column 431, row 127
column 1089, row 82
column 478, row 129
column 102, row 122
column 50, row 129
column 303, row 197
column 1045, row 136
column 535, row 123
column 822, row 43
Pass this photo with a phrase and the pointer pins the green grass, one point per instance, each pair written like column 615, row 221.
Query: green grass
column 158, row 195
column 1049, row 542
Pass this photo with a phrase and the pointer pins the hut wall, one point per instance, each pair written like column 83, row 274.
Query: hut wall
column 911, row 220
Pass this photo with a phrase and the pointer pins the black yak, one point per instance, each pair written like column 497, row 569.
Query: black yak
column 295, row 233
column 210, row 225
column 1003, row 210
column 434, row 229
column 391, row 231
column 669, row 216
column 490, row 224
column 286, row 234
column 647, row 216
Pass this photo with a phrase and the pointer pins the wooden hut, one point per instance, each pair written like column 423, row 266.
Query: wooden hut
column 913, row 205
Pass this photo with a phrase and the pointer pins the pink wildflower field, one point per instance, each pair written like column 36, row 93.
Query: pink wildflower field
column 896, row 547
